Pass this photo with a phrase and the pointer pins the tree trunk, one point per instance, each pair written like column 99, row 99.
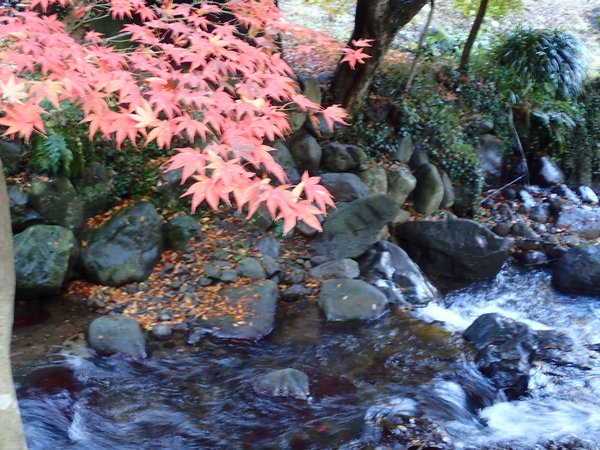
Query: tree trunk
column 378, row 20
column 413, row 68
column 11, row 429
column 466, row 54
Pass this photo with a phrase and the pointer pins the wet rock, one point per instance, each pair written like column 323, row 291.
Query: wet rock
column 386, row 261
column 258, row 300
column 552, row 346
column 251, row 268
column 578, row 271
column 566, row 193
column 460, row 249
column 527, row 199
column 179, row 230
column 58, row 201
column 269, row 246
column 404, row 150
column 339, row 268
column 76, row 345
column 532, row 259
column 162, row 331
column 44, row 256
column 505, row 352
column 375, row 178
column 587, row 194
column 284, row 383
column 401, row 183
column 540, row 212
column 351, row 230
column 306, row 151
column 522, row 229
column 337, row 158
column 345, row 187
column 229, row 276
column 429, row 193
column 547, row 173
column 117, row 334
column 581, row 220
column 125, row 248
column 295, row 292
column 284, row 158
column 345, row 299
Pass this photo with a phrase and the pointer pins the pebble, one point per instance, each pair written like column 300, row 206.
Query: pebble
column 162, row 331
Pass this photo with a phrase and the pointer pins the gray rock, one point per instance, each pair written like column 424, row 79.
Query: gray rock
column 284, row 383
column 527, row 199
column 448, row 198
column 566, row 193
column 584, row 221
column 310, row 88
column 460, row 249
column 375, row 178
column 547, row 173
column 386, row 261
column 211, row 271
column 284, row 158
column 587, row 194
column 401, row 183
column 540, row 212
column 125, row 248
column 294, row 276
column 11, row 154
column 418, row 158
column 179, row 230
column 345, row 187
column 258, row 299
column 296, row 118
column 94, row 189
column 269, row 246
column 306, row 151
column 44, row 256
column 58, row 201
column 117, row 334
column 295, row 292
column 346, row 299
column 337, row 158
column 320, row 129
column 272, row 267
column 505, row 352
column 578, row 271
column 162, row 331
column 251, row 268
column 429, row 193
column 491, row 158
column 229, row 276
column 339, row 268
column 522, row 229
column 305, row 230
column 404, row 151
column 359, row 155
column 169, row 187
column 350, row 231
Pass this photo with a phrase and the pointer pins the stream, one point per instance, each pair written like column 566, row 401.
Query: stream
column 407, row 380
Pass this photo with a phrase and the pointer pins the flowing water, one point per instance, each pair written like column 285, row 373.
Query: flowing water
column 404, row 381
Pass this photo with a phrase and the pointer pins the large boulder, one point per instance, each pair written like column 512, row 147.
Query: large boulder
column 117, row 334
column 385, row 261
column 505, row 352
column 460, row 249
column 346, row 299
column 578, row 271
column 58, row 201
column 284, row 383
column 345, row 187
column 44, row 257
column 375, row 178
column 125, row 248
column 429, row 193
column 337, row 158
column 547, row 173
column 350, row 230
column 306, row 151
column 401, row 183
column 259, row 302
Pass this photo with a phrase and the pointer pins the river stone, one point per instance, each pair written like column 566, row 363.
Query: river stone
column 547, row 173
column 578, row 271
column 336, row 158
column 505, row 352
column 587, row 194
column 162, row 331
column 429, row 193
column 339, row 268
column 58, row 201
column 375, row 178
column 583, row 220
column 284, row 383
column 461, row 249
column 179, row 230
column 229, row 276
column 251, row 268
column 404, row 150
column 269, row 246
column 295, row 292
column 346, row 299
column 351, row 230
column 258, row 300
column 401, row 183
column 387, row 261
column 94, row 188
column 284, row 158
column 125, row 248
column 44, row 256
column 117, row 334
column 345, row 187
column 306, row 151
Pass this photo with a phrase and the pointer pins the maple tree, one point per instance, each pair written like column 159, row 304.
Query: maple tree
column 217, row 92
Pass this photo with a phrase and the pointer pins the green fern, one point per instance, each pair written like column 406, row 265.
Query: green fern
column 52, row 154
